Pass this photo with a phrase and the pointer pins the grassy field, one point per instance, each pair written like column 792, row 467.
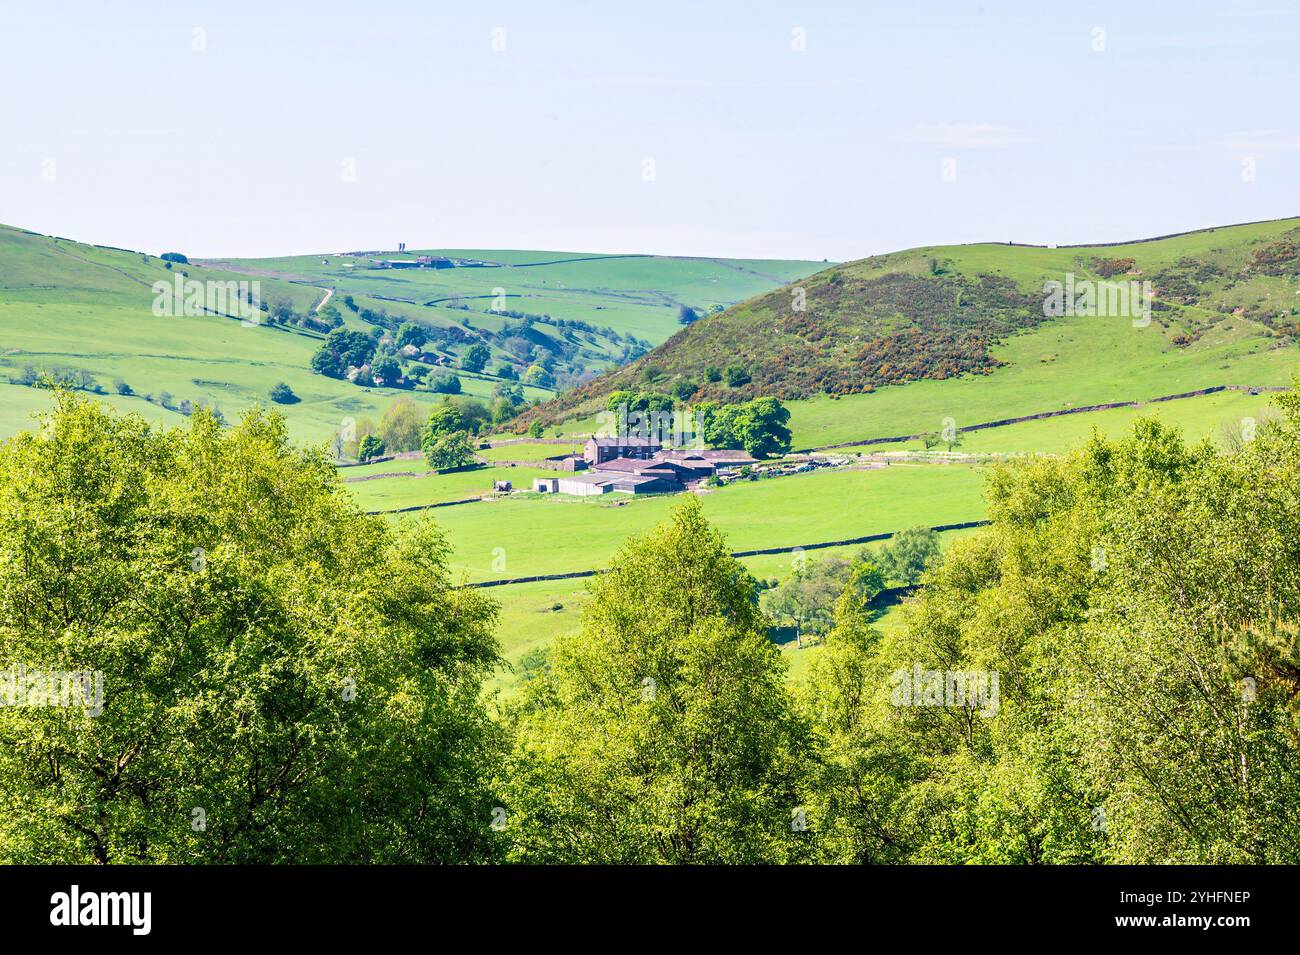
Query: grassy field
column 70, row 306
column 1076, row 362
column 534, row 614
column 636, row 294
column 526, row 535
column 1203, row 416
column 397, row 492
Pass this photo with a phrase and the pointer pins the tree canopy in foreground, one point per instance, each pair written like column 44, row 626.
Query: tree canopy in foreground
column 283, row 677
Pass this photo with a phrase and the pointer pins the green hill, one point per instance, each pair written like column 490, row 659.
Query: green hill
column 85, row 314
column 577, row 313
column 893, row 343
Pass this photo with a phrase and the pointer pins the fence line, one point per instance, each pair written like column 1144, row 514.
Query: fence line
column 1003, row 422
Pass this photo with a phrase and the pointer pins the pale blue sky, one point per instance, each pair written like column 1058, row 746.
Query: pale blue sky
column 759, row 149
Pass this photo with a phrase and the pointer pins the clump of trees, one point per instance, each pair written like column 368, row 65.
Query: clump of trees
column 664, row 731
column 759, row 426
column 445, row 440
column 282, row 677
column 308, row 678
column 371, row 446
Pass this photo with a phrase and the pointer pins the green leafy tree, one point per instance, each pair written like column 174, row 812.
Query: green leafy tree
column 284, row 678
column 450, row 451
column 908, row 553
column 401, row 424
column 386, row 371
column 411, row 333
column 371, row 447
column 443, row 420
column 758, row 426
column 476, row 358
column 806, row 599
column 664, row 731
column 736, row 376
column 282, row 394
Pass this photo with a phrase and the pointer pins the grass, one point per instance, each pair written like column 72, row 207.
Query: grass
column 70, row 305
column 636, row 294
column 526, row 535
column 396, row 492
column 1092, row 361
column 529, row 619
column 1204, row 416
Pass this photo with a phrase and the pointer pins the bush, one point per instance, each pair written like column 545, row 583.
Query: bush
column 282, row 394
column 737, row 376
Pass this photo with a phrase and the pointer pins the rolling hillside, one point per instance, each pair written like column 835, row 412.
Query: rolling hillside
column 894, row 343
column 84, row 314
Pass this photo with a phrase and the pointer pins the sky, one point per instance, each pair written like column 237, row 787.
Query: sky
column 759, row 129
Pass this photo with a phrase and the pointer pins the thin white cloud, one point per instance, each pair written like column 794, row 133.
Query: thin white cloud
column 1260, row 141
column 963, row 135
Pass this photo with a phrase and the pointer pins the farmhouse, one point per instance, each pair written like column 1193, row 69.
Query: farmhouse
column 598, row 450
column 640, row 466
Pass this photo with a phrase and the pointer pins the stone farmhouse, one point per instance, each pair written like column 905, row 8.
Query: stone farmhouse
column 640, row 466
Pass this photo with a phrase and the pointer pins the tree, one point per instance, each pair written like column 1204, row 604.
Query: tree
column 328, row 316
column 401, row 424
column 343, row 349
column 282, row 394
column 411, row 333
column 326, row 362
column 476, row 358
column 176, row 257
column 442, row 421
column 908, row 553
column 664, row 731
column 535, row 429
column 386, row 371
column 684, row 388
column 807, row 597
column 687, row 315
column 450, row 451
column 371, row 447
column 445, row 384
column 258, row 643
column 538, row 376
column 758, row 426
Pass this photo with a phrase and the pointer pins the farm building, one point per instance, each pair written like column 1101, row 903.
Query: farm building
column 598, row 450
column 640, row 466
